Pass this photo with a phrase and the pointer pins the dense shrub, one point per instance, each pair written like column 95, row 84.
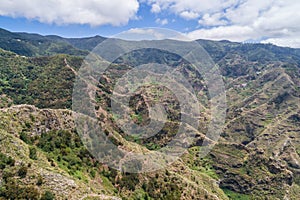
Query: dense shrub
column 129, row 181
column 6, row 161
column 12, row 190
column 24, row 136
column 32, row 153
column 22, row 172
column 48, row 196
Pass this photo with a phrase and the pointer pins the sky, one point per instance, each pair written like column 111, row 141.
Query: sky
column 265, row 21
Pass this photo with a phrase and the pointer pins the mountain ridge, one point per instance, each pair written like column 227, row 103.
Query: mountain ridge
column 89, row 43
column 256, row 157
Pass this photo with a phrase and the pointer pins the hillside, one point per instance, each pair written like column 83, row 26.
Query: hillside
column 256, row 157
column 25, row 44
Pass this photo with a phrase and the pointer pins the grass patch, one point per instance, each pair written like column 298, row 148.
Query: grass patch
column 236, row 196
column 203, row 165
column 107, row 184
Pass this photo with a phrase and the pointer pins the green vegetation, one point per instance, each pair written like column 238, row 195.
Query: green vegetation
column 137, row 118
column 6, row 161
column 33, row 153
column 67, row 150
column 12, row 190
column 257, row 153
column 48, row 195
column 11, row 187
column 36, row 45
column 44, row 82
column 22, row 172
column 203, row 165
column 236, row 196
column 167, row 190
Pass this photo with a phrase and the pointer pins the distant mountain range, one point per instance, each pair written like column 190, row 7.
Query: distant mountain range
column 27, row 44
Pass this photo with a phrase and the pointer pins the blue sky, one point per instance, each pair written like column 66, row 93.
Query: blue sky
column 145, row 18
column 268, row 21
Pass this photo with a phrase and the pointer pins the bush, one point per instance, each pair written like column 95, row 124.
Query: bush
column 93, row 173
column 129, row 181
column 6, row 175
column 11, row 190
column 25, row 138
column 40, row 180
column 48, row 196
column 6, row 161
column 22, row 172
column 32, row 153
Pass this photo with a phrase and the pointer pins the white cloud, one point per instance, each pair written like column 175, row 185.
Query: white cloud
column 233, row 33
column 248, row 11
column 155, row 8
column 192, row 6
column 240, row 20
column 93, row 12
column 162, row 21
column 143, row 34
column 212, row 20
column 286, row 42
column 189, row 15
column 139, row 34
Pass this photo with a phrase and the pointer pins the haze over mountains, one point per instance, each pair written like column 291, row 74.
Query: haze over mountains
column 257, row 156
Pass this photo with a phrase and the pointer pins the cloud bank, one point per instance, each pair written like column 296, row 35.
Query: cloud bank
column 239, row 20
column 92, row 12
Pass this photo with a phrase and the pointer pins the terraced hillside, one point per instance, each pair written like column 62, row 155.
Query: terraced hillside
column 257, row 156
